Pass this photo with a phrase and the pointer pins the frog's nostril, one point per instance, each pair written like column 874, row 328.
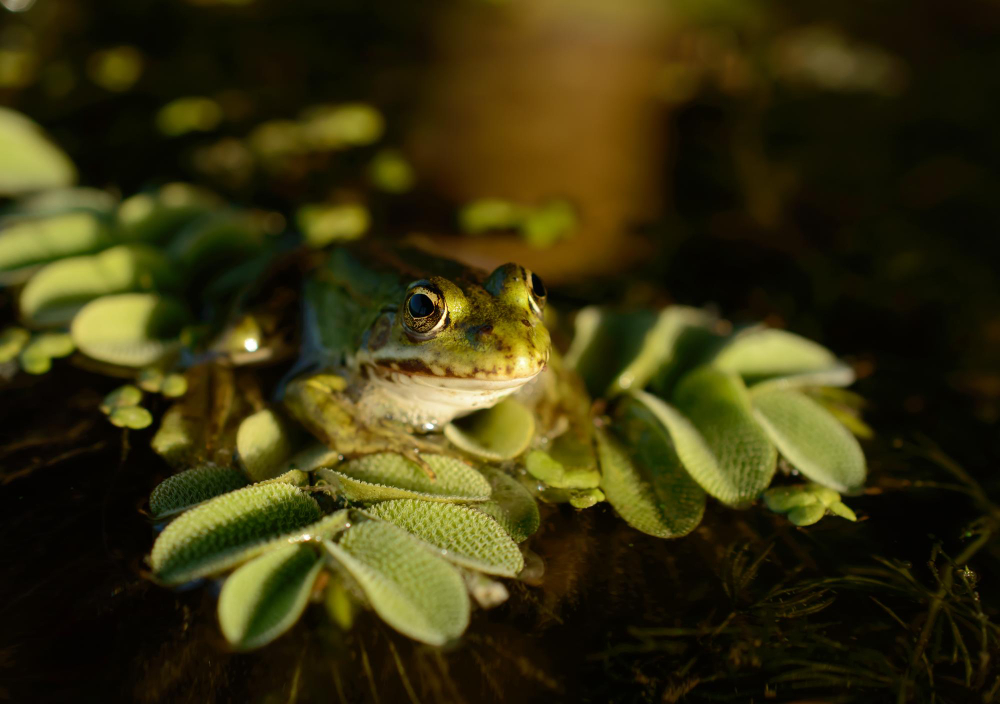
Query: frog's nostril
column 485, row 330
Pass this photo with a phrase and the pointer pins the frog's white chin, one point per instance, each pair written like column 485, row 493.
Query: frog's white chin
column 427, row 402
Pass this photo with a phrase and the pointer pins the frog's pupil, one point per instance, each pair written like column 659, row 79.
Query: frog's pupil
column 537, row 286
column 421, row 305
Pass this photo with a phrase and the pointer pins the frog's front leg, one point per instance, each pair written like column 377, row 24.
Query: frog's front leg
column 329, row 410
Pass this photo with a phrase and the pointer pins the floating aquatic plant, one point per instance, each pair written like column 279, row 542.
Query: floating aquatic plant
column 653, row 411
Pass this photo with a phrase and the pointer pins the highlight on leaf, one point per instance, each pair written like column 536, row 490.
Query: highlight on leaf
column 465, row 536
column 389, row 475
column 228, row 530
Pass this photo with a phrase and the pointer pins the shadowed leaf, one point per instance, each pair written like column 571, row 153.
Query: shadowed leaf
column 266, row 596
column 643, row 477
column 193, row 486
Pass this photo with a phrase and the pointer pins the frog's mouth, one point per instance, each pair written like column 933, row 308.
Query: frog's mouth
column 444, row 396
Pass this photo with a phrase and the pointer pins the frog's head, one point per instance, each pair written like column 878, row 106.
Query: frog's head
column 476, row 340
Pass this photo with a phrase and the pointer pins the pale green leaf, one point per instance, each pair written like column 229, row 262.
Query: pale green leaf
column 58, row 290
column 499, row 433
column 810, row 438
column 127, row 395
column 807, row 515
column 716, row 436
column 12, row 341
column 174, row 386
column 229, row 529
column 544, row 467
column 510, row 504
column 193, row 486
column 643, row 477
column 760, row 354
column 411, row 589
column 265, row 442
column 465, row 536
column 27, row 243
column 266, row 596
column 134, row 417
column 388, row 475
column 129, row 329
column 30, row 161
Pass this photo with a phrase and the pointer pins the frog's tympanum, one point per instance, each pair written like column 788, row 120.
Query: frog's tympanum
column 399, row 341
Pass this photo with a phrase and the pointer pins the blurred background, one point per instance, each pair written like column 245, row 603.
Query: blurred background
column 827, row 167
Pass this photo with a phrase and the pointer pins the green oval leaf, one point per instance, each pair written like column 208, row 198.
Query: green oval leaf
column 499, row 433
column 30, row 161
column 134, row 417
column 154, row 217
column 228, row 530
column 643, row 477
column 716, row 436
column 511, row 505
column 810, row 438
column 387, row 475
column 129, row 329
column 266, row 596
column 127, row 395
column 411, row 589
column 465, row 536
column 264, row 442
column 30, row 242
column 193, row 486
column 764, row 354
column 58, row 290
column 12, row 341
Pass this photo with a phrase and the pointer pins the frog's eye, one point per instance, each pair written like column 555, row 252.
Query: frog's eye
column 537, row 290
column 424, row 310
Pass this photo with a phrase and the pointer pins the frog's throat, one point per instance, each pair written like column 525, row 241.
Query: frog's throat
column 426, row 401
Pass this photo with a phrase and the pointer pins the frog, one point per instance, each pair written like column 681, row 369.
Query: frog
column 397, row 342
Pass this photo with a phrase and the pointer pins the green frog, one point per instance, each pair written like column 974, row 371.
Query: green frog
column 397, row 343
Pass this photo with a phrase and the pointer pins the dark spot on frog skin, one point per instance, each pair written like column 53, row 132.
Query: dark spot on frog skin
column 379, row 333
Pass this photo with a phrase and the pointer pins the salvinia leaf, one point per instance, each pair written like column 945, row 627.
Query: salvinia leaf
column 499, row 433
column 810, row 438
column 716, row 436
column 265, row 441
column 765, row 354
column 643, row 478
column 228, row 530
column 181, row 491
column 465, row 536
column 30, row 161
column 129, row 329
column 411, row 589
column 266, row 596
column 511, row 505
column 391, row 476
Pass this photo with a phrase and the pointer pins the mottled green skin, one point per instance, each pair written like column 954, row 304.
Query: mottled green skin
column 377, row 380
